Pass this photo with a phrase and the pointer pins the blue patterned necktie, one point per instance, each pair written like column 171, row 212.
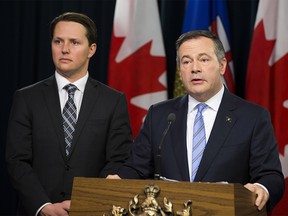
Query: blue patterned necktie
column 199, row 139
column 69, row 117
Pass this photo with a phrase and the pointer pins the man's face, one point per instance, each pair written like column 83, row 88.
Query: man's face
column 200, row 70
column 70, row 49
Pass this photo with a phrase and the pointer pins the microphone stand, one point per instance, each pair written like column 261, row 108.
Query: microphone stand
column 158, row 158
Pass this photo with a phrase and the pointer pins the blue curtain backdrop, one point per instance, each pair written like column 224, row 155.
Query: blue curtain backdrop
column 26, row 57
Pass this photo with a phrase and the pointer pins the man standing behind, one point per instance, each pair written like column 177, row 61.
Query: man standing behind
column 216, row 136
column 65, row 126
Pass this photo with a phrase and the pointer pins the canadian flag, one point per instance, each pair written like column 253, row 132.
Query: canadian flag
column 137, row 62
column 267, row 76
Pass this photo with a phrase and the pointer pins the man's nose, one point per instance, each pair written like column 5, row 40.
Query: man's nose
column 195, row 68
column 66, row 47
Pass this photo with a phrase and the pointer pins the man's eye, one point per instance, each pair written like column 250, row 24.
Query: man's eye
column 205, row 61
column 185, row 62
column 57, row 41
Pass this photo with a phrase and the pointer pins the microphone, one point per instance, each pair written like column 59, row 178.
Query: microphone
column 157, row 174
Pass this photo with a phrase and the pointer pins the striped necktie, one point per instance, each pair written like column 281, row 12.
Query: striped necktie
column 69, row 117
column 199, row 139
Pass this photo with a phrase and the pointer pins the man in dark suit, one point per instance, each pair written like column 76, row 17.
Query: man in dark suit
column 45, row 150
column 238, row 138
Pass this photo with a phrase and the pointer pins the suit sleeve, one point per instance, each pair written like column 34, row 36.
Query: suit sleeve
column 119, row 138
column 265, row 166
column 19, row 156
column 140, row 164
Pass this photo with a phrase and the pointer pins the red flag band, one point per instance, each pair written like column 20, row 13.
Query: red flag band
column 267, row 76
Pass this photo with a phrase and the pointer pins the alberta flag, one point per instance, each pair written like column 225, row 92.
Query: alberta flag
column 210, row 15
column 137, row 63
column 267, row 76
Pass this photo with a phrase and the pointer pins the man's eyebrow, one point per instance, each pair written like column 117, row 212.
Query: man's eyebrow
column 185, row 56
column 199, row 55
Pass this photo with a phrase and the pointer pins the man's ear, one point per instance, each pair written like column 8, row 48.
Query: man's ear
column 223, row 64
column 92, row 50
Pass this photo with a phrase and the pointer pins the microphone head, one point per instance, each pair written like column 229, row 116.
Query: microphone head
column 171, row 117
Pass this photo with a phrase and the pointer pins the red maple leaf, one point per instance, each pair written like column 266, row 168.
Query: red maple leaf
column 267, row 85
column 136, row 75
column 258, row 74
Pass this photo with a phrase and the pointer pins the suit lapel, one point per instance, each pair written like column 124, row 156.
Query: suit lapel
column 178, row 137
column 224, row 122
column 89, row 99
column 51, row 96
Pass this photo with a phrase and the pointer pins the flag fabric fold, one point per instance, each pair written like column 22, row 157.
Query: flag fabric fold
column 137, row 62
column 267, row 76
column 209, row 15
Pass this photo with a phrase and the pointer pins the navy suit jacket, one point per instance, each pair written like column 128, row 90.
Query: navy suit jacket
column 241, row 147
column 35, row 150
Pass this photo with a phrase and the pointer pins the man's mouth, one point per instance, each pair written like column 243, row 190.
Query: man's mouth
column 197, row 80
column 65, row 60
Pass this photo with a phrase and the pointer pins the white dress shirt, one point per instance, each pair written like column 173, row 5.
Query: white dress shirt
column 63, row 96
column 209, row 116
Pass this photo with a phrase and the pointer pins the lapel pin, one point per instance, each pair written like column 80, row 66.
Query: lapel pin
column 228, row 119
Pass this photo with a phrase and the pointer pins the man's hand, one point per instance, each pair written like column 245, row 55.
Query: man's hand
column 261, row 195
column 56, row 209
column 113, row 177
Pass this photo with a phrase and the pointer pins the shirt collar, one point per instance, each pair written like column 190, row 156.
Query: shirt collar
column 213, row 102
column 80, row 83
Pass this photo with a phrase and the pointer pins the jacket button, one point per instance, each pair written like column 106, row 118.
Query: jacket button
column 63, row 194
column 67, row 167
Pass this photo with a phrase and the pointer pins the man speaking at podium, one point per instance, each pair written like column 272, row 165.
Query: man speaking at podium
column 209, row 134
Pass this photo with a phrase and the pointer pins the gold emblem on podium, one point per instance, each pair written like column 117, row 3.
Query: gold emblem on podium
column 150, row 206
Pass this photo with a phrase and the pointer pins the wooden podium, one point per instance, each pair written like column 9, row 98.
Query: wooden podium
column 95, row 196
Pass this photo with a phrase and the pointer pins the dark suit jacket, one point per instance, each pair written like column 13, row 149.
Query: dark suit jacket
column 35, row 153
column 241, row 147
